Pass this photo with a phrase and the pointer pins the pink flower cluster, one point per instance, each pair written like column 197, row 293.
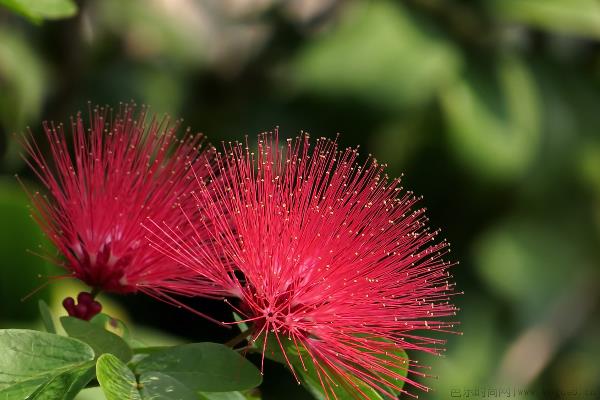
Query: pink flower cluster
column 322, row 253
column 102, row 182
column 326, row 257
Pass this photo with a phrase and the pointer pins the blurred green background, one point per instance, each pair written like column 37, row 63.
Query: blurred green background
column 489, row 107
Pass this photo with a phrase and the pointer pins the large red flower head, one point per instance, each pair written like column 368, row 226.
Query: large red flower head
column 328, row 259
column 103, row 182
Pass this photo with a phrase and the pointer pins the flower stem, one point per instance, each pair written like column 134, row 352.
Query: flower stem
column 239, row 338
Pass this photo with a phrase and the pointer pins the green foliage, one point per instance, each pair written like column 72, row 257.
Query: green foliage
column 101, row 340
column 38, row 10
column 315, row 381
column 222, row 396
column 47, row 317
column 184, row 372
column 113, row 325
column 169, row 36
column 46, row 366
column 65, row 385
column 20, row 272
column 208, row 367
column 22, row 390
column 512, row 256
column 24, row 80
column 159, row 386
column 417, row 60
column 38, row 364
column 397, row 361
column 494, row 123
column 344, row 391
column 116, row 379
column 579, row 17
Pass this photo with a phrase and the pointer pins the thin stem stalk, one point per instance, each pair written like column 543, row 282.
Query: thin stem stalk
column 240, row 337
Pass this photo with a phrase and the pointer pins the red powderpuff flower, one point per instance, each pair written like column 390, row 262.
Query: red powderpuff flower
column 103, row 181
column 330, row 257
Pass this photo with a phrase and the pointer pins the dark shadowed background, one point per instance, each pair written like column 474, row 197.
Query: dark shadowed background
column 490, row 108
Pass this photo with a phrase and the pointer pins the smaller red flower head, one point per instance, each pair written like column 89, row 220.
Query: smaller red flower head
column 103, row 182
column 331, row 260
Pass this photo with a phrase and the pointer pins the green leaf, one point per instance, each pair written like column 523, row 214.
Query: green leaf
column 116, row 379
column 22, row 390
column 29, row 354
column 22, row 271
column 221, row 396
column 511, row 256
column 309, row 377
column 400, row 369
column 393, row 356
column 111, row 324
column 158, row 386
column 101, row 340
column 255, row 395
column 344, row 391
column 208, row 367
column 65, row 385
column 494, row 121
column 25, row 81
column 172, row 37
column 579, row 17
column 52, row 382
column 47, row 318
column 241, row 325
column 273, row 349
column 37, row 10
column 380, row 53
